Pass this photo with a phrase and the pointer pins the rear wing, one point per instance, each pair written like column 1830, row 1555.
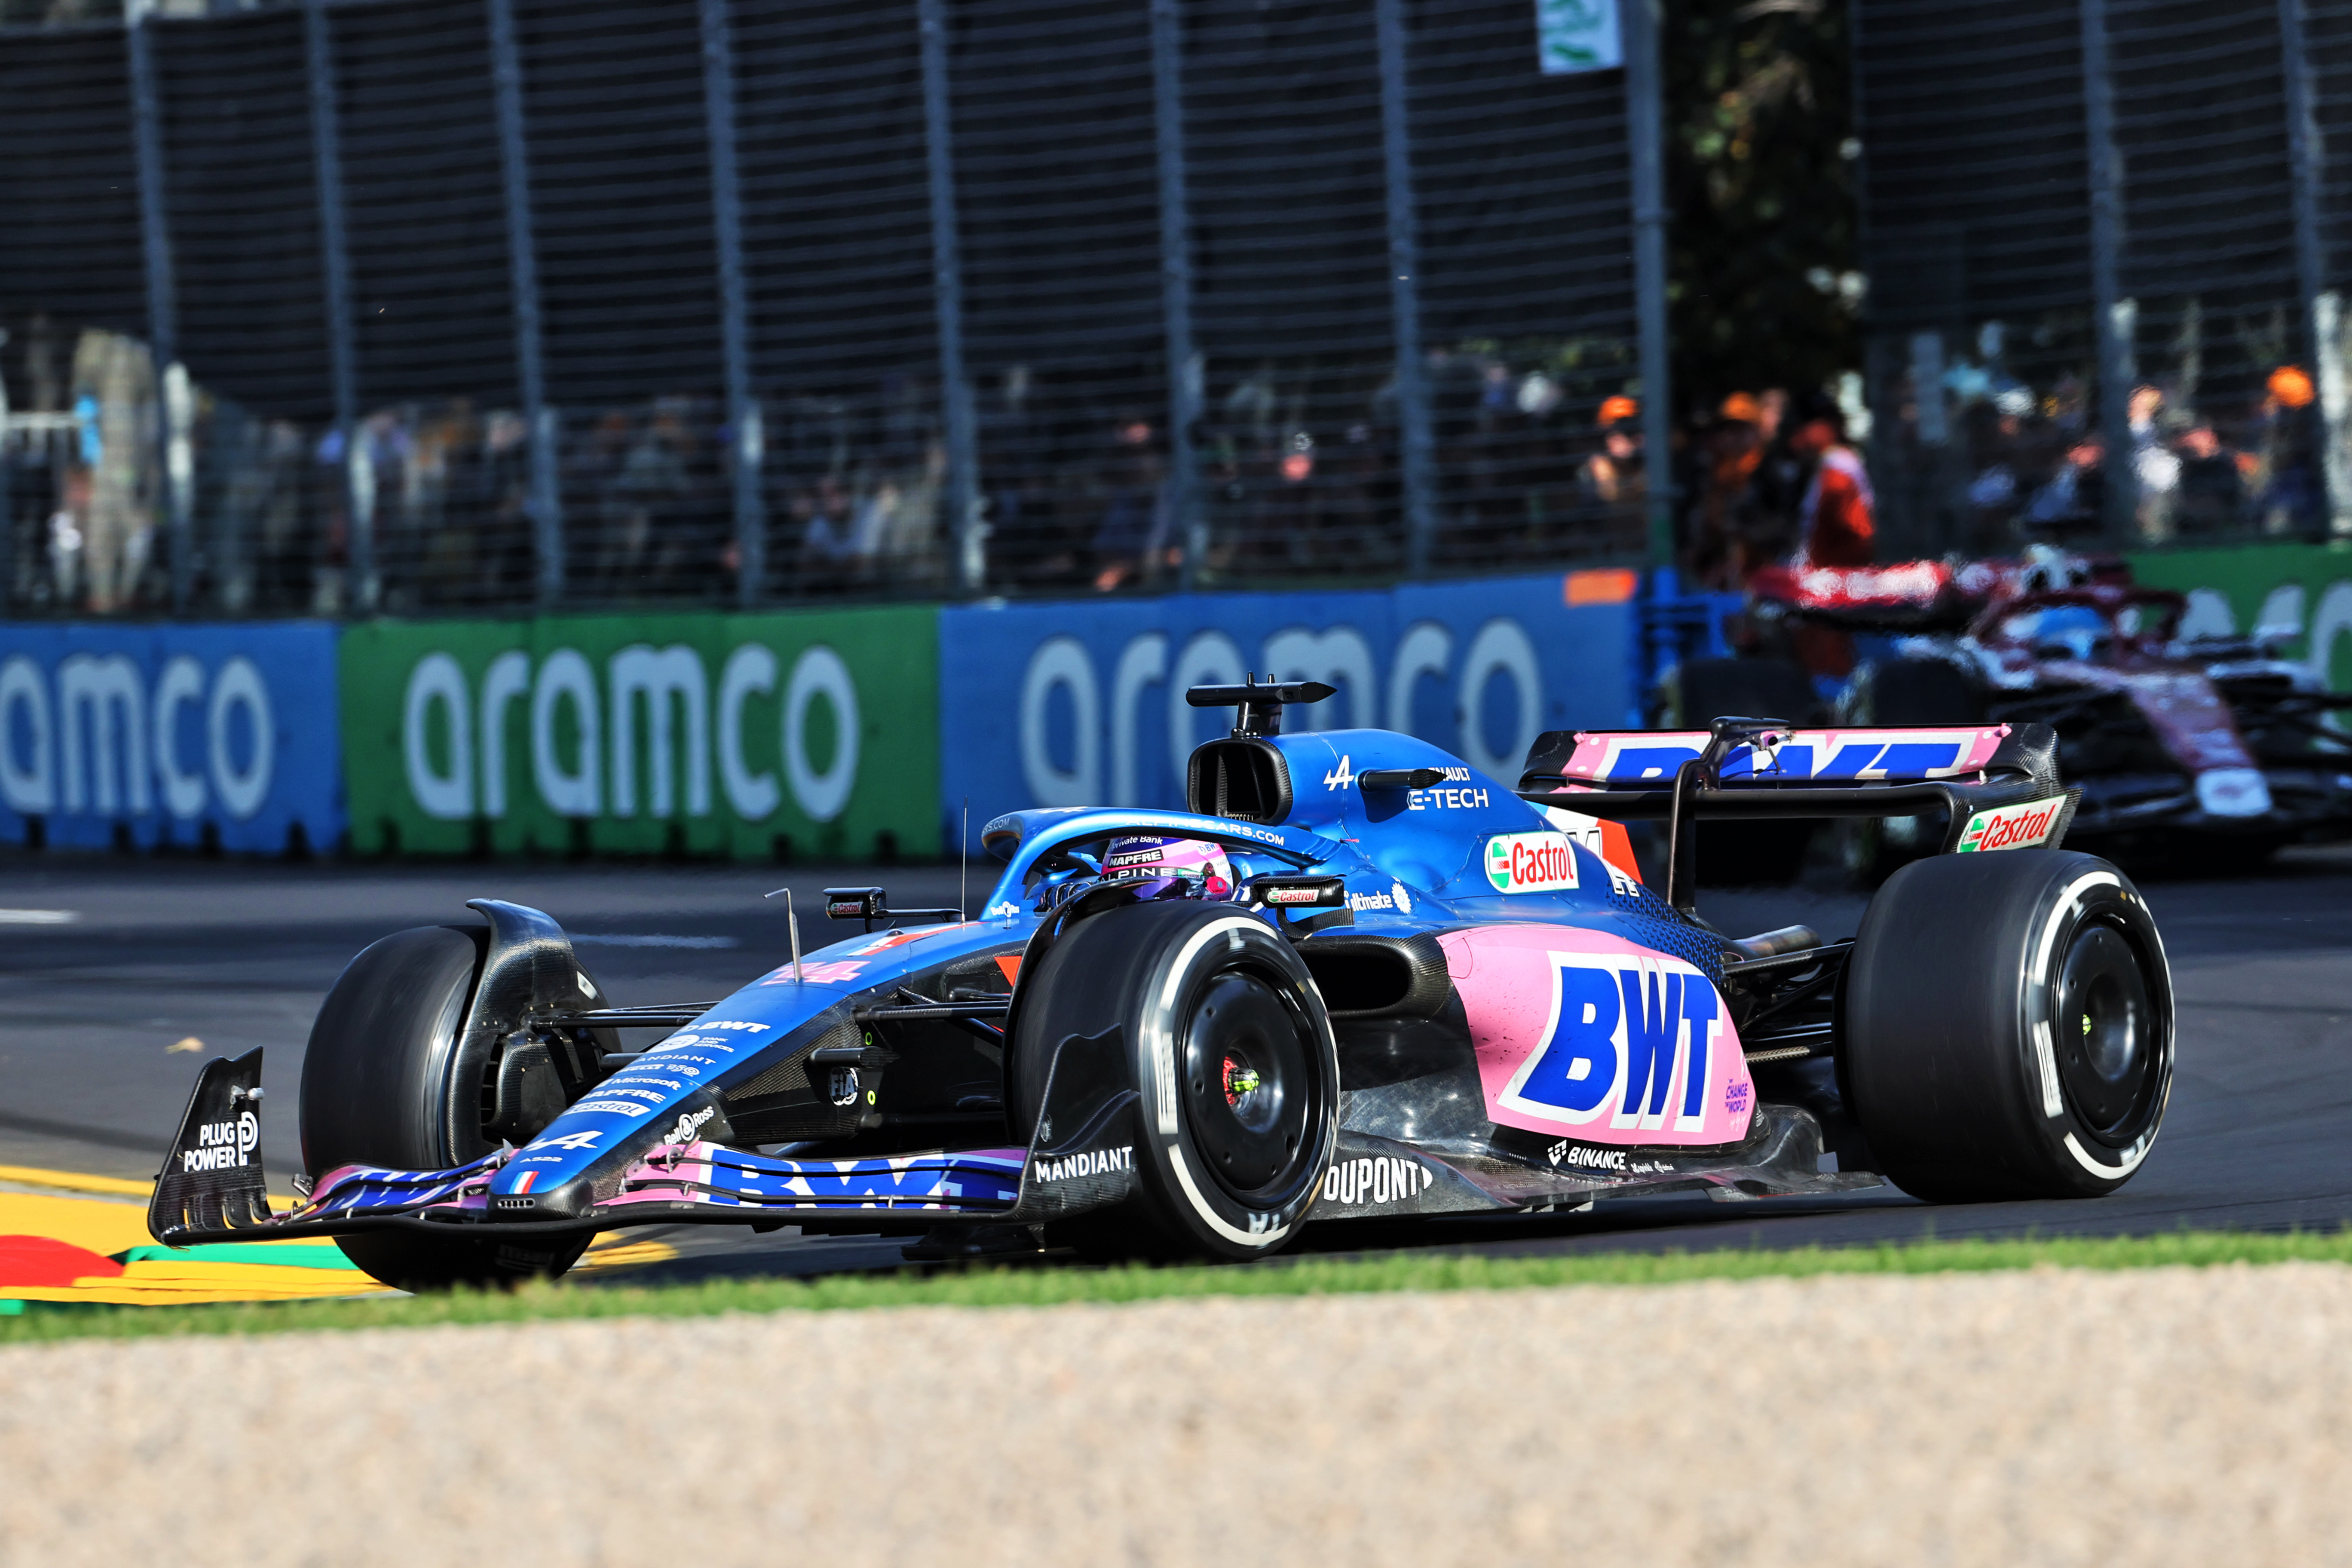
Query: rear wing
column 1913, row 596
column 1922, row 595
column 1629, row 759
column 1995, row 784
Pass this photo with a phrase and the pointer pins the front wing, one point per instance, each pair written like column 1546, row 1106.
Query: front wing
column 212, row 1188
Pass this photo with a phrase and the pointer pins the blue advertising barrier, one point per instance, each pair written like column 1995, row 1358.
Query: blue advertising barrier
column 1082, row 703
column 166, row 731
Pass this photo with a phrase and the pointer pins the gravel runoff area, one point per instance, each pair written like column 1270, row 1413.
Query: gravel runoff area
column 2051, row 1417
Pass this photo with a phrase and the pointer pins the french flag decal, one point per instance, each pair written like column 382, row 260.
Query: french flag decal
column 527, row 1178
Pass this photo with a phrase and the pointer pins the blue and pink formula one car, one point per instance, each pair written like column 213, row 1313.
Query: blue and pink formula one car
column 1354, row 979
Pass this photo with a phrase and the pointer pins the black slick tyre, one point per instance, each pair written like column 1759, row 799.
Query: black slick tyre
column 1223, row 1033
column 378, row 1088
column 2006, row 1029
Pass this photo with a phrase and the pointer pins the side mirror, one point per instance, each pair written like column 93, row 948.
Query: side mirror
column 857, row 903
column 871, row 904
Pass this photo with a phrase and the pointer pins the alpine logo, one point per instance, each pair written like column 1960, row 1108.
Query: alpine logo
column 1093, row 1163
column 1341, row 776
column 2011, row 826
column 1530, row 863
column 1377, row 1179
column 223, row 1145
column 578, row 1142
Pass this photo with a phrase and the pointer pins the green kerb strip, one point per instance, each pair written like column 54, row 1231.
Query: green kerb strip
column 1056, row 1286
column 276, row 1255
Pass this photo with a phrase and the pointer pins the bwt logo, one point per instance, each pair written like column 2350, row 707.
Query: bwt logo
column 1631, row 1039
column 1111, row 726
column 94, row 738
column 667, row 691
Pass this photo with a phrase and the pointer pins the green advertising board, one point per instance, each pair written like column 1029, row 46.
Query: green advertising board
column 801, row 734
column 2299, row 594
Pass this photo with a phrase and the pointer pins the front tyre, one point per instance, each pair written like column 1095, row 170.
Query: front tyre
column 380, row 1086
column 2007, row 1027
column 1223, row 1033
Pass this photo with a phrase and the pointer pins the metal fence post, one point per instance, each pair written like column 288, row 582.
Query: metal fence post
column 2323, row 308
column 335, row 264
column 546, row 503
column 2116, row 317
column 163, row 322
column 1184, row 367
column 734, row 310
column 947, row 292
column 7, row 499
column 1419, row 441
column 1645, row 139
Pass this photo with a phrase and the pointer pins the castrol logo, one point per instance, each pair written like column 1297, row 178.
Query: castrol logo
column 2011, row 826
column 1530, row 863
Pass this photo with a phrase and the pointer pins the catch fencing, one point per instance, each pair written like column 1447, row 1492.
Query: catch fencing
column 2107, row 251
column 468, row 305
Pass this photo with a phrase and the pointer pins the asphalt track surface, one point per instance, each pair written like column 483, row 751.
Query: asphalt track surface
column 238, row 955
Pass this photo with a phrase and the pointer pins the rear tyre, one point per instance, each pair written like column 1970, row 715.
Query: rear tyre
column 1743, row 853
column 2006, row 1028
column 1211, row 1002
column 378, row 1082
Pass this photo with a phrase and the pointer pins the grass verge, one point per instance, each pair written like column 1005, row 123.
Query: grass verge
column 1045, row 1286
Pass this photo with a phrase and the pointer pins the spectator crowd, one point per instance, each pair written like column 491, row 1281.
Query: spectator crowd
column 1296, row 475
column 1770, row 483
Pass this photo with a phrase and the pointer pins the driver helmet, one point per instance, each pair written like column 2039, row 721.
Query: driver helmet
column 1160, row 866
column 2073, row 631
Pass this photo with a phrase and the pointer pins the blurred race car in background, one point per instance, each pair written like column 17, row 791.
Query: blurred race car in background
column 1355, row 980
column 2184, row 749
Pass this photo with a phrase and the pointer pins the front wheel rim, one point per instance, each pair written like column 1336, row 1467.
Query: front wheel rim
column 1250, row 1086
